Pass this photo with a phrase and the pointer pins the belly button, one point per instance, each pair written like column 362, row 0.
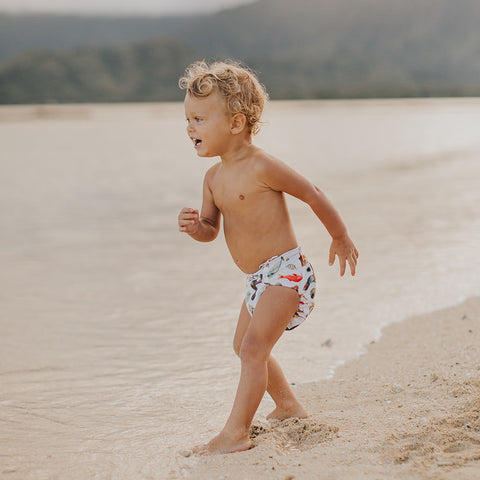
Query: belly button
column 241, row 197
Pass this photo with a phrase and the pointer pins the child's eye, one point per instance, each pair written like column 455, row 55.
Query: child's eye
column 196, row 119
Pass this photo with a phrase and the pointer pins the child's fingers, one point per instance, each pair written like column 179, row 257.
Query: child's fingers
column 353, row 264
column 331, row 256
column 345, row 254
column 188, row 211
column 352, row 260
column 343, row 265
column 187, row 218
column 190, row 228
column 187, row 225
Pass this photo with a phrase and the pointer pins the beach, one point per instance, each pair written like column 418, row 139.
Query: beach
column 116, row 329
column 408, row 408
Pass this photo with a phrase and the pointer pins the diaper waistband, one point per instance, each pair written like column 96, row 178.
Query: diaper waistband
column 297, row 251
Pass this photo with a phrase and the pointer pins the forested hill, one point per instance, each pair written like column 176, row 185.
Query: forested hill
column 301, row 49
column 20, row 33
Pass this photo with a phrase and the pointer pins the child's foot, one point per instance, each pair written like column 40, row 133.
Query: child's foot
column 282, row 413
column 223, row 443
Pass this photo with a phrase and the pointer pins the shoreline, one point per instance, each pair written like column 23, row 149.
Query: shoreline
column 363, row 349
column 409, row 407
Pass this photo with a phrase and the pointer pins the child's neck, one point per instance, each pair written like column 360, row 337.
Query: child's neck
column 238, row 151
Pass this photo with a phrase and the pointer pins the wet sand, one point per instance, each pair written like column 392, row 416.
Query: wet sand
column 409, row 408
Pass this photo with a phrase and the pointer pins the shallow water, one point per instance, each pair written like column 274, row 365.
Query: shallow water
column 116, row 329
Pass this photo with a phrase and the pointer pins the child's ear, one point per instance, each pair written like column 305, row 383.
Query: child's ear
column 238, row 124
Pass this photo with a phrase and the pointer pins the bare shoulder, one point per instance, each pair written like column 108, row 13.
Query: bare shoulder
column 264, row 163
column 211, row 172
column 278, row 176
column 269, row 169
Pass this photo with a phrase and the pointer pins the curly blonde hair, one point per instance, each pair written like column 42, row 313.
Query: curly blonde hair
column 238, row 85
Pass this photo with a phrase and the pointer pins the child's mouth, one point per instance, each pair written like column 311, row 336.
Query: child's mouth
column 197, row 142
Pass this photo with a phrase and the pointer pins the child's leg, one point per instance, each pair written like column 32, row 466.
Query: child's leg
column 286, row 403
column 272, row 315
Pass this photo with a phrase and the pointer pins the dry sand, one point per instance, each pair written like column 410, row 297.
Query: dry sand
column 408, row 408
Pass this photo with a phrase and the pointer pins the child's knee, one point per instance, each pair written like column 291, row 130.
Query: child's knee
column 252, row 349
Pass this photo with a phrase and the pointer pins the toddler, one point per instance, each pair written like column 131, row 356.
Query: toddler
column 223, row 107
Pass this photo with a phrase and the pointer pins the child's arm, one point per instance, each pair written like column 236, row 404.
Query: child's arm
column 205, row 227
column 281, row 177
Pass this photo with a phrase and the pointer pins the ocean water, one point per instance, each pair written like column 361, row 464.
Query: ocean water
column 116, row 329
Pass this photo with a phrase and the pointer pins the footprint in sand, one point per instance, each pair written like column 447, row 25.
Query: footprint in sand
column 293, row 433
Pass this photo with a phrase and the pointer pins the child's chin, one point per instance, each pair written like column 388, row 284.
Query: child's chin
column 205, row 155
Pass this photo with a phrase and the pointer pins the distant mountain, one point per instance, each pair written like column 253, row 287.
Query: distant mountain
column 301, row 49
column 317, row 48
column 20, row 33
column 146, row 71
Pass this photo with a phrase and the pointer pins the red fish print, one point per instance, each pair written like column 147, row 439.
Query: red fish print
column 292, row 278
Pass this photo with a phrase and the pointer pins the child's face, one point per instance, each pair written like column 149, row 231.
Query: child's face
column 208, row 124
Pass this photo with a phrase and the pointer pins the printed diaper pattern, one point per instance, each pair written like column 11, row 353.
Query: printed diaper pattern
column 291, row 270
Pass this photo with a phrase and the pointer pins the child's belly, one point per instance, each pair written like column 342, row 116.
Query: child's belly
column 250, row 248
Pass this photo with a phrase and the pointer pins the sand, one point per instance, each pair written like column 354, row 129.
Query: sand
column 408, row 408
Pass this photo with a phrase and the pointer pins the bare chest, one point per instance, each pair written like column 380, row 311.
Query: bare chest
column 231, row 196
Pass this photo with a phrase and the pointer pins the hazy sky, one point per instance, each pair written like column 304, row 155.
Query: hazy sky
column 118, row 6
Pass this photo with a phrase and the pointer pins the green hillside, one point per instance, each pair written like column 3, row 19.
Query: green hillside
column 147, row 71
column 20, row 33
column 301, row 49
column 338, row 48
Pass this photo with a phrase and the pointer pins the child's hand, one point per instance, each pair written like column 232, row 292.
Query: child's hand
column 344, row 248
column 188, row 220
